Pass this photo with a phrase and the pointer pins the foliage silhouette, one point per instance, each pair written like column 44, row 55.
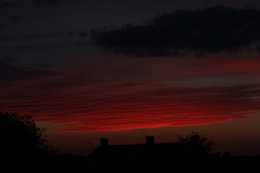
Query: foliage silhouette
column 205, row 145
column 20, row 138
column 25, row 148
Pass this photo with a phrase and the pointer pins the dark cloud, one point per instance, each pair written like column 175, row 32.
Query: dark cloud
column 11, row 72
column 13, row 3
column 211, row 30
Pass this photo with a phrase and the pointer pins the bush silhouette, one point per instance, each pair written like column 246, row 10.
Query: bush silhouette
column 20, row 138
column 203, row 144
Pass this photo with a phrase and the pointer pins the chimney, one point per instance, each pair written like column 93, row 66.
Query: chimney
column 103, row 142
column 149, row 140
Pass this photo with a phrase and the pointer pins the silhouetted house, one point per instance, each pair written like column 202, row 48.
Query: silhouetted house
column 148, row 156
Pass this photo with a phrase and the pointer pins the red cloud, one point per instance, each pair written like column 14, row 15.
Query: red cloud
column 136, row 93
column 151, row 109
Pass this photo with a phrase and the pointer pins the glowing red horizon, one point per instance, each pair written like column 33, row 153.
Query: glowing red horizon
column 114, row 95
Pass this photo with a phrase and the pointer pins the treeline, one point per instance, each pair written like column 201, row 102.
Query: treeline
column 23, row 147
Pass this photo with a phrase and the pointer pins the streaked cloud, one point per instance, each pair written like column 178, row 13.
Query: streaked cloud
column 12, row 72
column 138, row 93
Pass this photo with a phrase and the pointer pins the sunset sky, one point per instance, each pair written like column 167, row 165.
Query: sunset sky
column 86, row 69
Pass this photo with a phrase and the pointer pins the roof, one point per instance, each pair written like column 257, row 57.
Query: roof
column 143, row 151
column 142, row 156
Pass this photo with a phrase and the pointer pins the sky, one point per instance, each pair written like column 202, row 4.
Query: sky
column 88, row 69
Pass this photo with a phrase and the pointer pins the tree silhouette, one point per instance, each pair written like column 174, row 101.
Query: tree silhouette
column 203, row 144
column 20, row 138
